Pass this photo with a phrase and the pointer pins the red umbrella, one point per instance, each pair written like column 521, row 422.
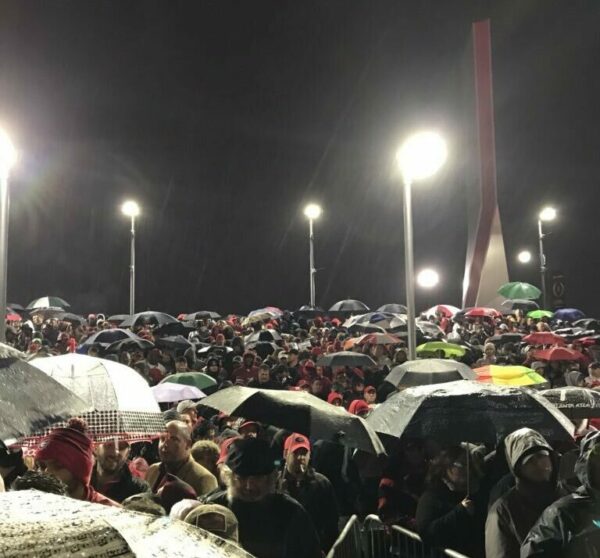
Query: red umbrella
column 378, row 339
column 543, row 338
column 589, row 341
column 557, row 353
column 481, row 312
column 12, row 317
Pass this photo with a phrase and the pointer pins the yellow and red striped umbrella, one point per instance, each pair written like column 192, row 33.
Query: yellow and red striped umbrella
column 509, row 375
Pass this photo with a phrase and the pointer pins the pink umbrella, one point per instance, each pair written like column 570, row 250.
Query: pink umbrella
column 556, row 354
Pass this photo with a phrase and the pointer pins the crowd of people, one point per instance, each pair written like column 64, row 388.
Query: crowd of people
column 280, row 494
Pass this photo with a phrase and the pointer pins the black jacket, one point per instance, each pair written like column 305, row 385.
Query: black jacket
column 275, row 527
column 126, row 485
column 568, row 528
column 317, row 497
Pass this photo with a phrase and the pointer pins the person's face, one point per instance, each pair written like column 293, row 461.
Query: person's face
column 337, row 402
column 490, row 351
column 53, row 468
column 249, row 361
column 594, row 372
column 263, row 376
column 317, row 386
column 181, row 366
column 370, row 396
column 111, row 457
column 173, row 446
column 251, row 489
column 186, row 417
column 457, row 473
column 192, row 414
column 538, row 468
column 297, row 461
column 249, row 432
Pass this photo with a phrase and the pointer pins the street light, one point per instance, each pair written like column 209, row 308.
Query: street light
column 420, row 156
column 428, row 278
column 312, row 211
column 131, row 209
column 524, row 256
column 8, row 157
column 547, row 214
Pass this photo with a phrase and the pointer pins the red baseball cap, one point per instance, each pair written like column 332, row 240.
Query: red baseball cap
column 225, row 449
column 333, row 395
column 247, row 424
column 359, row 406
column 295, row 442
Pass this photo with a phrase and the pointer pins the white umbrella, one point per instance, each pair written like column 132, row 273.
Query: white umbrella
column 170, row 393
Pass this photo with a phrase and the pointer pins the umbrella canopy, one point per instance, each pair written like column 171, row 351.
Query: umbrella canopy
column 506, row 338
column 13, row 317
column 31, row 401
column 263, row 348
column 446, row 310
column 129, row 344
column 258, row 318
column 203, row 315
column 296, row 411
column 214, row 350
column 171, row 393
column 117, row 319
column 539, row 314
column 467, row 411
column 509, row 376
column 383, row 320
column 429, row 329
column 48, row 313
column 196, row 379
column 481, row 312
column 378, row 339
column 569, row 314
column 122, row 401
column 575, row 402
column 519, row 290
column 543, row 338
column 174, row 343
column 588, row 323
column 393, row 308
column 41, row 524
column 263, row 335
column 157, row 319
column 557, row 354
column 346, row 358
column 71, row 318
column 7, row 351
column 521, row 304
column 48, row 302
column 349, row 305
column 107, row 337
column 449, row 349
column 422, row 372
column 273, row 310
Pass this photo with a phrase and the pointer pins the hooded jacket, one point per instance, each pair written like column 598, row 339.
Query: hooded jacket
column 511, row 517
column 571, row 526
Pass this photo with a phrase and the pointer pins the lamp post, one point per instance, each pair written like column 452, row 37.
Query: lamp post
column 312, row 211
column 131, row 209
column 8, row 157
column 547, row 214
column 419, row 157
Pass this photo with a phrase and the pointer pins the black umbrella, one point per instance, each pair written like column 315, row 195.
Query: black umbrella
column 467, row 411
column 30, row 400
column 575, row 402
column 154, row 318
column 393, row 308
column 203, row 315
column 365, row 328
column 263, row 348
column 174, row 328
column 214, row 350
column 346, row 358
column 297, row 411
column 263, row 335
column 520, row 304
column 506, row 338
column 173, row 343
column 107, row 337
column 588, row 323
column 71, row 318
column 129, row 344
column 349, row 305
column 117, row 319
column 428, row 371
column 16, row 307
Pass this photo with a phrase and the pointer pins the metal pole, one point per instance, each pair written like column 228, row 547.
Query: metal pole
column 409, row 270
column 132, row 270
column 4, row 202
column 542, row 263
column 312, row 263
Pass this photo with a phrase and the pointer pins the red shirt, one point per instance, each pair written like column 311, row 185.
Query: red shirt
column 92, row 496
column 246, row 374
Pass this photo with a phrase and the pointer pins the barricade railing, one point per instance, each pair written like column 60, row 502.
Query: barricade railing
column 349, row 542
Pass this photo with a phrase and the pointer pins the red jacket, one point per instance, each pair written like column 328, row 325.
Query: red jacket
column 92, row 496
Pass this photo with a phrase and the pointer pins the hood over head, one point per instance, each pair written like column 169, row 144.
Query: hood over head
column 521, row 443
column 588, row 445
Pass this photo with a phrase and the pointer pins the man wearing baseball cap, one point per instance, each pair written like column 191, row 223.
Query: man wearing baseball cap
column 313, row 490
column 271, row 524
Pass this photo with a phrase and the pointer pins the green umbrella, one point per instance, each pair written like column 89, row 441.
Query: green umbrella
column 449, row 349
column 539, row 314
column 196, row 379
column 519, row 290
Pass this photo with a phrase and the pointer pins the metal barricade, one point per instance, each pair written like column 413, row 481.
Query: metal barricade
column 349, row 542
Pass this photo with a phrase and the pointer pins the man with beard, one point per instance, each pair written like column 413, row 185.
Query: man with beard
column 111, row 475
column 271, row 525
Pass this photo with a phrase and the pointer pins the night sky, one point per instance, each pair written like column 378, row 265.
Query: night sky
column 223, row 118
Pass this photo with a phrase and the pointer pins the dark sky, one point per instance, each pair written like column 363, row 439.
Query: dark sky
column 222, row 118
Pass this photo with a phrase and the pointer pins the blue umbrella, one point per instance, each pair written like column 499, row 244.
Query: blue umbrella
column 568, row 314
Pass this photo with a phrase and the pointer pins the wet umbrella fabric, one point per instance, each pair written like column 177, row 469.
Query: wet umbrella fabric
column 521, row 304
column 543, row 338
column 393, row 308
column 31, row 401
column 446, row 310
column 129, row 344
column 588, row 323
column 264, row 335
column 346, row 358
column 107, row 337
column 468, row 411
column 170, row 393
column 449, row 349
column 349, row 305
column 174, row 343
column 520, row 290
column 296, row 411
column 117, row 319
column 557, row 354
column 263, row 348
column 197, row 379
column 203, row 315
column 482, row 312
column 71, row 318
column 40, row 524
column 569, row 314
column 539, row 314
column 575, row 402
column 158, row 319
column 510, row 376
column 48, row 302
column 506, row 338
column 429, row 371
column 378, row 339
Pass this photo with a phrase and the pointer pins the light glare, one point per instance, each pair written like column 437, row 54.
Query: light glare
column 8, row 154
column 524, row 256
column 422, row 155
column 548, row 214
column 312, row 211
column 130, row 208
column 428, row 278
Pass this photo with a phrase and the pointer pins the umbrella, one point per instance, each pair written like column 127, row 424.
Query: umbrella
column 575, row 402
column 365, row 328
column 7, row 351
column 378, row 339
column 506, row 338
column 481, row 312
column 196, row 379
column 519, row 290
column 393, row 308
column 509, row 376
column 48, row 313
column 588, row 323
column 123, row 405
column 129, row 344
column 170, row 393
column 539, row 314
column 263, row 348
column 590, row 340
column 296, row 411
column 384, row 320
column 203, row 315
column 48, row 302
column 521, row 304
column 429, row 329
column 12, row 317
column 349, row 305
column 543, row 338
column 569, row 314
column 117, row 319
column 557, row 354
column 16, row 307
column 345, row 358
column 219, row 351
column 258, row 318
column 174, row 343
column 446, row 310
column 263, row 335
column 467, row 411
column 31, row 401
column 37, row 524
column 107, row 337
column 273, row 310
column 157, row 319
column 449, row 349
column 71, row 318
column 428, row 371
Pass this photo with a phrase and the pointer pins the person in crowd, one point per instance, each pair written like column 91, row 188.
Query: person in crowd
column 12, row 464
column 190, row 409
column 336, row 399
column 263, row 379
column 174, row 448
column 249, row 429
column 592, row 380
column 111, row 474
column 248, row 369
column 206, row 453
column 489, row 355
column 215, row 519
column 370, row 396
column 44, row 482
